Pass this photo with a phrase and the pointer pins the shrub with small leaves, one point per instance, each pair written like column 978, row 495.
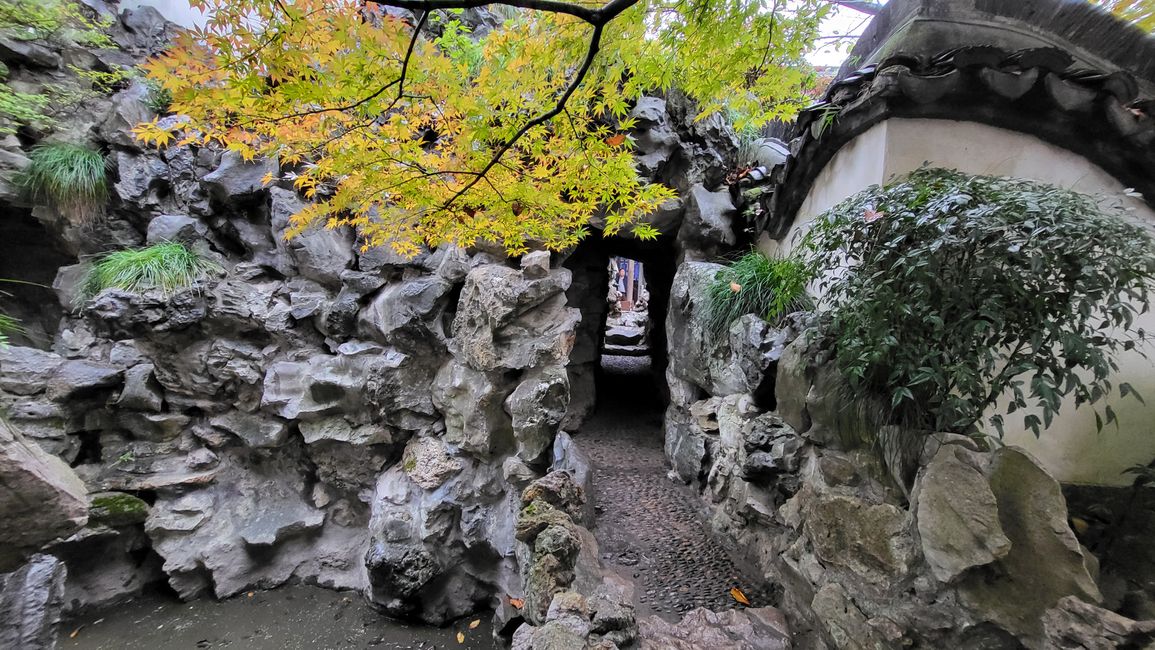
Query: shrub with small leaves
column 168, row 267
column 67, row 176
column 945, row 292
column 756, row 284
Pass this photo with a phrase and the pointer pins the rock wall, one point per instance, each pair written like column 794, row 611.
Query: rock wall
column 880, row 539
column 309, row 412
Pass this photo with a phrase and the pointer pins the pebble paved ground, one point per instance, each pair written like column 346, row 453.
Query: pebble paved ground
column 649, row 527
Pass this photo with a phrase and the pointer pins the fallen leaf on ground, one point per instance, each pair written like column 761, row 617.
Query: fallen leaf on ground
column 473, row 625
column 461, row 637
column 74, row 633
column 737, row 594
column 516, row 602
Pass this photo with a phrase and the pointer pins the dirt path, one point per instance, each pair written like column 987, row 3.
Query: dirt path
column 648, row 526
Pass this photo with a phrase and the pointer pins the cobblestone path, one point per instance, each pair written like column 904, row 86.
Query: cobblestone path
column 649, row 527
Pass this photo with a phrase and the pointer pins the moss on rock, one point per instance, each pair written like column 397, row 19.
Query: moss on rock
column 116, row 509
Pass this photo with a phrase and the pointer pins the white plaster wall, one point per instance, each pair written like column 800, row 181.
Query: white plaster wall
column 1071, row 449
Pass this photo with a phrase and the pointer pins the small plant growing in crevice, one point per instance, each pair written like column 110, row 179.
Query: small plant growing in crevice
column 167, row 267
column 769, row 287
column 945, row 293
column 8, row 327
column 69, row 177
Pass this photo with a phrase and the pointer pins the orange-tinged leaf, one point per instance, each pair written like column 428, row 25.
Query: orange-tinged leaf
column 461, row 637
column 267, row 178
column 74, row 633
column 735, row 287
column 616, row 140
column 737, row 595
column 517, row 603
column 474, row 623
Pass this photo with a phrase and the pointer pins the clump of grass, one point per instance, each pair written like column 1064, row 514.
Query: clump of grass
column 168, row 267
column 68, row 177
column 157, row 98
column 8, row 325
column 770, row 287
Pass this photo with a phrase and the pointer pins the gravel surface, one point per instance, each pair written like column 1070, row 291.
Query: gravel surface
column 649, row 527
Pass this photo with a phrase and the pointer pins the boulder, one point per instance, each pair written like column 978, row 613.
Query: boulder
column 537, row 407
column 235, row 178
column 506, row 320
column 175, row 228
column 253, row 428
column 472, row 402
column 757, row 628
column 428, row 464
column 141, row 391
column 958, row 517
column 25, row 371
column 31, row 599
column 870, row 540
column 129, row 108
column 76, row 379
column 1074, row 624
column 320, row 254
column 1045, row 562
column 407, row 313
column 41, row 497
column 708, row 222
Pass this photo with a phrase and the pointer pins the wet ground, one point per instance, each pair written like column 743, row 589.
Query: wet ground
column 649, row 527
column 290, row 618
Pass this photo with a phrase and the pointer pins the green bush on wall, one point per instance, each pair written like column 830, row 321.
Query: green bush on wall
column 943, row 292
column 69, row 177
column 168, row 267
column 756, row 284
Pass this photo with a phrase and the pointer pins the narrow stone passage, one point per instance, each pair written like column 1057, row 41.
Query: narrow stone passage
column 649, row 528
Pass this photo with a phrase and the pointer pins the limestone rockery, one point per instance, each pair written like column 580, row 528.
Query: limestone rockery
column 310, row 412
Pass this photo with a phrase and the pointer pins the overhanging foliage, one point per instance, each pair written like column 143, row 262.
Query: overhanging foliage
column 944, row 292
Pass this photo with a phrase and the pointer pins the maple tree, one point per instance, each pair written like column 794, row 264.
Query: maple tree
column 418, row 133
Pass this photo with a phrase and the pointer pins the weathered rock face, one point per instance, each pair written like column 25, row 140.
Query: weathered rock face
column 30, row 602
column 762, row 628
column 878, row 539
column 41, row 497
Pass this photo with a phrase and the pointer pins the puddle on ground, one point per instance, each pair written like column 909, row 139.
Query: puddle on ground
column 290, row 618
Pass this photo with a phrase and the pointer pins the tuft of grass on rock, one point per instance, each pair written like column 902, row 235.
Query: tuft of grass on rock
column 8, row 326
column 68, row 177
column 168, row 267
column 770, row 287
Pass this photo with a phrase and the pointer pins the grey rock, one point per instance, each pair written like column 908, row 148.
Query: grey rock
column 26, row 371
column 535, row 265
column 407, row 313
column 153, row 427
column 1074, row 624
column 128, row 109
column 175, row 228
column 254, row 429
column 537, row 407
column 428, row 464
column 1045, row 562
column 234, row 178
column 958, row 518
column 709, row 220
column 338, row 429
column 761, row 628
column 507, row 320
column 31, row 599
column 140, row 177
column 843, row 622
column 320, row 254
column 41, row 497
column 14, row 51
column 141, row 391
column 870, row 540
column 472, row 404
column 625, row 336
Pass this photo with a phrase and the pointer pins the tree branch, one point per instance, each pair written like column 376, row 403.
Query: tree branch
column 595, row 44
